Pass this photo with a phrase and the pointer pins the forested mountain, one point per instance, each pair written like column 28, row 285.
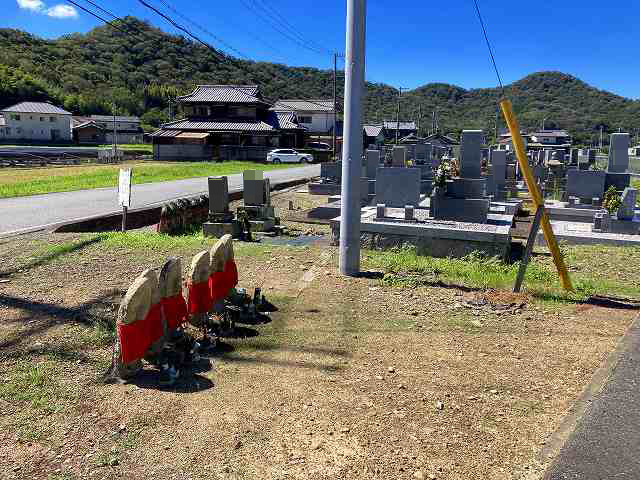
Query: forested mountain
column 141, row 68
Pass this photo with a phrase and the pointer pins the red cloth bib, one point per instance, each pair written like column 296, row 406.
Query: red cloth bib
column 217, row 286
column 175, row 310
column 199, row 298
column 231, row 275
column 137, row 337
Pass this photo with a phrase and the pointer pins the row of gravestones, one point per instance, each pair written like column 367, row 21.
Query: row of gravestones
column 156, row 305
column 180, row 216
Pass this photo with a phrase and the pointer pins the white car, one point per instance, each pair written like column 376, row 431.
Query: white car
column 284, row 155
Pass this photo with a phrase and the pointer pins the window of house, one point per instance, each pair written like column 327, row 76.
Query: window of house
column 305, row 119
column 15, row 117
column 203, row 111
column 52, row 119
column 259, row 141
column 30, row 117
column 226, row 139
column 242, row 112
column 42, row 119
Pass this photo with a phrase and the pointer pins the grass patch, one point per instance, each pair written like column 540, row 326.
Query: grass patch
column 590, row 276
column 48, row 180
column 34, row 384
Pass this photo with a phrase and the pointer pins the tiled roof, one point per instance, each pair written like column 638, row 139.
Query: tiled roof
column 390, row 125
column 224, row 93
column 89, row 123
column 304, row 105
column 218, row 126
column 36, row 107
column 165, row 133
column 109, row 118
column 551, row 133
column 285, row 121
column 372, row 130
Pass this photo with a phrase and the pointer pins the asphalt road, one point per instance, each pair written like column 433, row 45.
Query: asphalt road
column 24, row 214
column 606, row 442
column 11, row 151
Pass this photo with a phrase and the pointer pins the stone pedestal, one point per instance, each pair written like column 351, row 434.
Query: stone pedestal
column 618, row 180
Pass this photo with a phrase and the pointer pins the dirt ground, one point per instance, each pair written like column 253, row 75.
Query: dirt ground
column 352, row 378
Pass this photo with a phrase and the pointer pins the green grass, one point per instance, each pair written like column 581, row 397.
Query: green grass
column 80, row 178
column 611, row 274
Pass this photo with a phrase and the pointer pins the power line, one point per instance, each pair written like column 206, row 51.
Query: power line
column 278, row 28
column 96, row 15
column 202, row 29
column 285, row 23
column 486, row 38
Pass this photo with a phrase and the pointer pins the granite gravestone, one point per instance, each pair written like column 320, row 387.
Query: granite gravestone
column 218, row 195
column 398, row 158
column 372, row 163
column 619, row 153
column 586, row 185
column 470, row 154
column 398, row 187
column 627, row 209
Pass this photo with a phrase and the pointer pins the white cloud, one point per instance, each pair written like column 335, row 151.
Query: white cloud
column 62, row 11
column 57, row 11
column 33, row 5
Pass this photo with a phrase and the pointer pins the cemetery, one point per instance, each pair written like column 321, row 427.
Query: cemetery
column 223, row 341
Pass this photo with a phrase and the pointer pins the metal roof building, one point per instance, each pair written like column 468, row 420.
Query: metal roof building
column 321, row 105
column 223, row 94
column 36, row 107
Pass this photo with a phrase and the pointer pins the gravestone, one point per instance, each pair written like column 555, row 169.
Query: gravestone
column 331, row 171
column 586, row 184
column 499, row 166
column 619, row 153
column 574, row 155
column 627, row 209
column 470, row 154
column 398, row 158
column 398, row 187
column 257, row 192
column 372, row 163
column 252, row 175
column 218, row 195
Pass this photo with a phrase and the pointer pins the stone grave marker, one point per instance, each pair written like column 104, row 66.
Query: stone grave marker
column 218, row 195
column 398, row 158
column 627, row 209
column 619, row 153
column 470, row 154
column 398, row 187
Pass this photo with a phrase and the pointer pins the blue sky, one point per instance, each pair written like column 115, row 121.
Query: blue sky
column 409, row 43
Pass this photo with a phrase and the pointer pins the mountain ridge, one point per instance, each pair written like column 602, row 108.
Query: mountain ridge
column 143, row 69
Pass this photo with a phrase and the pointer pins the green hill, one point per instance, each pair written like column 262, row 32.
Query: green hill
column 141, row 70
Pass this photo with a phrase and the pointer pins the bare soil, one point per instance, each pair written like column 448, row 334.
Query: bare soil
column 352, row 378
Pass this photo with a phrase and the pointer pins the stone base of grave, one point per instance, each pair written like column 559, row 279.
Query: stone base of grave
column 467, row 187
column 471, row 210
column 432, row 237
column 220, row 229
column 264, row 225
column 618, row 180
column 257, row 212
column 579, row 233
column 426, row 186
column 604, row 223
column 563, row 211
column 318, row 188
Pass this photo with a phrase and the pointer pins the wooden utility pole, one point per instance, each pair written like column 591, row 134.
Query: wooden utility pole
column 335, row 101
column 419, row 117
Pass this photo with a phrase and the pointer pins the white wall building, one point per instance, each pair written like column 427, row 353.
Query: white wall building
column 37, row 121
column 315, row 115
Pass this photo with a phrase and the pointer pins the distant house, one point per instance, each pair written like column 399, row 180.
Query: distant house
column 404, row 129
column 441, row 140
column 85, row 130
column 373, row 135
column 127, row 129
column 226, row 122
column 550, row 138
column 315, row 115
column 36, row 121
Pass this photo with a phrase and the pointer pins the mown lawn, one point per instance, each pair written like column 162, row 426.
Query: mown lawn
column 18, row 183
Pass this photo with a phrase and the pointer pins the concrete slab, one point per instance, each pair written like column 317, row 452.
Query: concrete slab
column 578, row 233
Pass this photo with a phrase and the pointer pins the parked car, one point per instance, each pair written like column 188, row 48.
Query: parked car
column 319, row 146
column 285, row 155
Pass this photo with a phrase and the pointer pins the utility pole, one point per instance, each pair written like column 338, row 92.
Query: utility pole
column 335, row 102
column 398, row 115
column 352, row 138
column 543, row 122
column 601, row 134
column 419, row 117
column 115, row 134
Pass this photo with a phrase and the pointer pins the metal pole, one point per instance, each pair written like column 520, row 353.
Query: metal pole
column 352, row 138
column 115, row 134
column 124, row 218
column 398, row 115
column 335, row 101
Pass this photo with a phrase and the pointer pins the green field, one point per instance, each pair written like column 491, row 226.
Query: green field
column 23, row 182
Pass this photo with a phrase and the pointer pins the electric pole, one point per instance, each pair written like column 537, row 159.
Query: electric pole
column 335, row 101
column 419, row 116
column 115, row 133
column 352, row 138
column 398, row 115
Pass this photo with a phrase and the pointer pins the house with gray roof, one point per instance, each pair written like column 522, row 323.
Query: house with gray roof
column 226, row 121
column 37, row 122
column 316, row 115
column 403, row 128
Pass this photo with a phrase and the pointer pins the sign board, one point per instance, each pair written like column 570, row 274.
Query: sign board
column 124, row 188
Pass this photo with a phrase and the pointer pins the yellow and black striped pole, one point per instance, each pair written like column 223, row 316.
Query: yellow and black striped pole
column 536, row 196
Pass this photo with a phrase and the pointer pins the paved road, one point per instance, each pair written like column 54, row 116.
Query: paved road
column 23, row 214
column 606, row 441
column 11, row 151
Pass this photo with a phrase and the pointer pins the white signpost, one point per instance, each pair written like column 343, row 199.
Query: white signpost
column 124, row 194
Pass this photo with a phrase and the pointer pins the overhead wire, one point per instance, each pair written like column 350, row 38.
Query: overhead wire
column 96, row 15
column 486, row 38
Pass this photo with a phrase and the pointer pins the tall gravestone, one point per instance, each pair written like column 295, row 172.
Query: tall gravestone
column 398, row 187
column 219, row 197
column 470, row 154
column 398, row 158
column 619, row 153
